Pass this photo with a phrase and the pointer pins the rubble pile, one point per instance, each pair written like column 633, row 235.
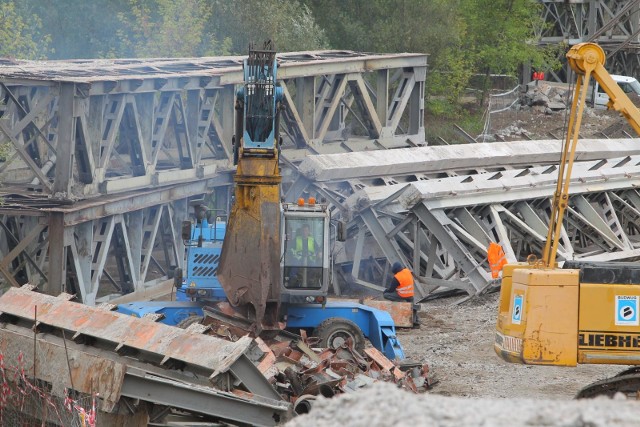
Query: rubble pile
column 300, row 371
column 545, row 97
column 513, row 131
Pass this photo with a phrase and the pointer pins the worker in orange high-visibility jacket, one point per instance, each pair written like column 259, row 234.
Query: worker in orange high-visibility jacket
column 401, row 287
column 497, row 259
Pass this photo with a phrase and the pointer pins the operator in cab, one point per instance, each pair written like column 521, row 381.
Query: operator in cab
column 401, row 286
column 305, row 248
column 303, row 267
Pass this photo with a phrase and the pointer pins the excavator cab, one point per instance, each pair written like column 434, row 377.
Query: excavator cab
column 305, row 248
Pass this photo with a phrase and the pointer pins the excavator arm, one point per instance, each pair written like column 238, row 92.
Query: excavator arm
column 249, row 266
column 587, row 60
column 552, row 316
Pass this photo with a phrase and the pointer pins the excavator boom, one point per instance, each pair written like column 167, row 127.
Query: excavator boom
column 249, row 266
column 587, row 60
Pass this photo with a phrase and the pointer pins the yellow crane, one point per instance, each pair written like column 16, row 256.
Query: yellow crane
column 565, row 316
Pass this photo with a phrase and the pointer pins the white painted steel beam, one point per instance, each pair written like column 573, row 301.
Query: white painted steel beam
column 471, row 195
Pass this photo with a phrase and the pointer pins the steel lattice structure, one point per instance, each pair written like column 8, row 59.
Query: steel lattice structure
column 613, row 24
column 437, row 209
column 105, row 154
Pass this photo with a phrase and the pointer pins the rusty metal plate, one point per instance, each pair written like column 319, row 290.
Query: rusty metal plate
column 401, row 312
column 89, row 373
column 210, row 353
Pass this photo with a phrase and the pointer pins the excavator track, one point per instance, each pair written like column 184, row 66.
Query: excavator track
column 626, row 382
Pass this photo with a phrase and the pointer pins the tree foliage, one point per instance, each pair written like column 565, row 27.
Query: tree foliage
column 166, row 28
column 125, row 28
column 76, row 28
column 19, row 33
column 288, row 23
column 464, row 38
column 499, row 36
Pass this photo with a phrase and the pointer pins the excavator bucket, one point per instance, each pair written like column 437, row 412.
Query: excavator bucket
column 249, row 266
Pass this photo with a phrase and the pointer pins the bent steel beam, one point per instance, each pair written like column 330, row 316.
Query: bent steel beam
column 464, row 197
column 174, row 362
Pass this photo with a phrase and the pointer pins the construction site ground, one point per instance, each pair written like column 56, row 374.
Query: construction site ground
column 512, row 124
column 475, row 387
column 457, row 343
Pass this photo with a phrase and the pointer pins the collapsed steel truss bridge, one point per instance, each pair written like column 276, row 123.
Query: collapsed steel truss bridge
column 437, row 209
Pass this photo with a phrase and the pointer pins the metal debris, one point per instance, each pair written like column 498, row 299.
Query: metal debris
column 130, row 362
column 298, row 369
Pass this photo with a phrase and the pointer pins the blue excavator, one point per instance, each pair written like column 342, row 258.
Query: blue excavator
column 271, row 261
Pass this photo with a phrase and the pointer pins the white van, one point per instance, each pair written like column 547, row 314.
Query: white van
column 626, row 83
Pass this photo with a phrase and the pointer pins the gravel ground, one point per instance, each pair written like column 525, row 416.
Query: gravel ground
column 457, row 343
column 394, row 407
column 476, row 387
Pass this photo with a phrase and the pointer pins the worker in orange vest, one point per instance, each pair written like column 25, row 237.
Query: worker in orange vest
column 538, row 75
column 497, row 259
column 401, row 287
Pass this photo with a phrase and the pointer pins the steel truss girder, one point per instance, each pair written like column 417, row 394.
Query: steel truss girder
column 113, row 120
column 86, row 136
column 130, row 244
column 593, row 230
column 614, row 24
column 457, row 203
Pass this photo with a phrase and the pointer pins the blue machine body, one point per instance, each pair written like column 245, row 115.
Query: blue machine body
column 376, row 325
column 174, row 311
column 200, row 280
column 199, row 286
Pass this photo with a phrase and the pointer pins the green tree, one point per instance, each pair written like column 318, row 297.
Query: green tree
column 288, row 23
column 20, row 34
column 166, row 28
column 499, row 37
column 462, row 37
column 77, row 28
column 387, row 26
